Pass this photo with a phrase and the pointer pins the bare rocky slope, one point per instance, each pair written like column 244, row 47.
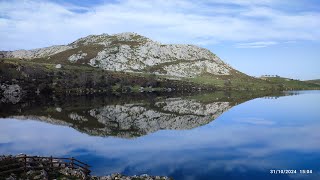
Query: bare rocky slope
column 130, row 52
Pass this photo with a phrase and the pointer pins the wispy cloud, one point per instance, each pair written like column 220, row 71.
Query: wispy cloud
column 259, row 44
column 33, row 23
column 254, row 121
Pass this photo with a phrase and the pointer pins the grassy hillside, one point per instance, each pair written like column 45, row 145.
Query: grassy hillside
column 33, row 75
column 288, row 83
column 315, row 81
column 77, row 78
column 240, row 81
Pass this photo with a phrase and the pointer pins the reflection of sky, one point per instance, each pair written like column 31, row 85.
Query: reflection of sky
column 246, row 141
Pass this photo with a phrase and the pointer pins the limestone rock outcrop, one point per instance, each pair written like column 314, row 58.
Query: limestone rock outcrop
column 131, row 52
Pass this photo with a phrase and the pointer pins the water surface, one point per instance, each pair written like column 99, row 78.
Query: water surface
column 206, row 136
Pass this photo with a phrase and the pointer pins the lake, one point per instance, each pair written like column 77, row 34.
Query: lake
column 221, row 135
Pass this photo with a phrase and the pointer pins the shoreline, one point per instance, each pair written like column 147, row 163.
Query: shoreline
column 23, row 166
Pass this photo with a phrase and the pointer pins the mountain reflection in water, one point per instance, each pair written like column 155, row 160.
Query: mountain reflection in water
column 128, row 116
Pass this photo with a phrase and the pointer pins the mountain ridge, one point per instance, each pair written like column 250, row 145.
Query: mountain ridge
column 131, row 52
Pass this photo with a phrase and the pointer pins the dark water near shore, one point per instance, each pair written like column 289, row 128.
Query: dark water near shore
column 206, row 136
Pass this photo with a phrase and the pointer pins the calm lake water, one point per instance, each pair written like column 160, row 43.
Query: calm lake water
column 208, row 136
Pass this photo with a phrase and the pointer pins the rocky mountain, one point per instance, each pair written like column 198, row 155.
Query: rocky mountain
column 130, row 52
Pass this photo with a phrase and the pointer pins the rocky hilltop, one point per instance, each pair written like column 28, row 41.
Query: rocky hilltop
column 130, row 52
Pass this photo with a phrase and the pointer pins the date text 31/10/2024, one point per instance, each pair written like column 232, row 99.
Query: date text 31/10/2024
column 290, row 171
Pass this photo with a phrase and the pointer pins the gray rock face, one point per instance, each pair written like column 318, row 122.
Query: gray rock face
column 44, row 119
column 3, row 54
column 130, row 52
column 76, row 57
column 36, row 53
column 13, row 89
column 74, row 116
column 11, row 93
column 139, row 54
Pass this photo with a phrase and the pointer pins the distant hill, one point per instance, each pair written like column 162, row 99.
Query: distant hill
column 315, row 81
column 288, row 82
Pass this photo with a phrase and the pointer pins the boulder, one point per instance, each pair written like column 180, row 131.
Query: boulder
column 58, row 66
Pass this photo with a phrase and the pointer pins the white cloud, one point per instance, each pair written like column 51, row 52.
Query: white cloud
column 259, row 44
column 32, row 23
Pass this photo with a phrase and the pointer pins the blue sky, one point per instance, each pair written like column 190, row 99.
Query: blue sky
column 256, row 37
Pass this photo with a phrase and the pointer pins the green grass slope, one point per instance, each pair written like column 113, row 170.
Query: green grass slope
column 315, row 81
column 80, row 77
